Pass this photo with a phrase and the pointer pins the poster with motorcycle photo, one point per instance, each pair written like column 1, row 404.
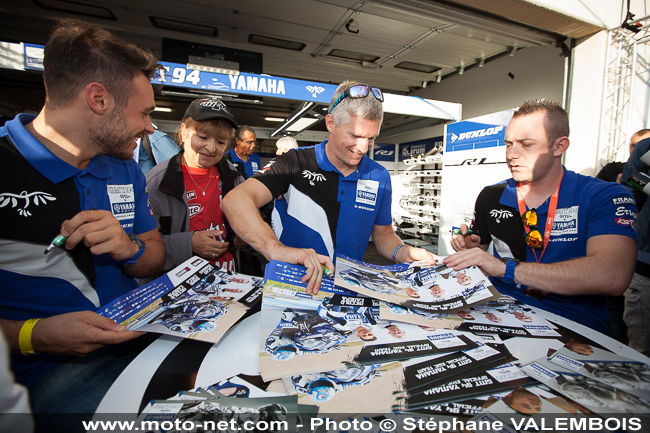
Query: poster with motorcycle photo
column 334, row 330
column 416, row 285
column 194, row 300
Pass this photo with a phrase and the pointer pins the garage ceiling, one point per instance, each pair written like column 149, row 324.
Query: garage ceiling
column 371, row 41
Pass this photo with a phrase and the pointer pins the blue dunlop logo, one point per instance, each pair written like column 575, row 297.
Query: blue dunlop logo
column 476, row 133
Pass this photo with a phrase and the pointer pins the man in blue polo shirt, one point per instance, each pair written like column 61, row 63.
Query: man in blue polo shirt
column 70, row 170
column 243, row 155
column 562, row 241
column 337, row 197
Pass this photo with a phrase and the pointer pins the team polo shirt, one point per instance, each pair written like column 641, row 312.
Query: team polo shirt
column 39, row 191
column 251, row 165
column 586, row 207
column 327, row 211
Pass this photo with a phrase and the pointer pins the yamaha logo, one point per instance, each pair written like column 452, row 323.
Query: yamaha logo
column 313, row 177
column 315, row 90
column 497, row 214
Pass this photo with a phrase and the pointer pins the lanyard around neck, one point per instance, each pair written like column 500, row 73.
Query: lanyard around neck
column 552, row 207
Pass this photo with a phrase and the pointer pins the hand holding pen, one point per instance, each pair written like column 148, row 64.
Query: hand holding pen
column 100, row 231
column 464, row 238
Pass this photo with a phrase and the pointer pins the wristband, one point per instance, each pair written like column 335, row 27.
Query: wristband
column 396, row 250
column 25, row 337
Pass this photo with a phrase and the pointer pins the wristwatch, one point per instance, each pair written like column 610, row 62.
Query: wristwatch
column 140, row 243
column 509, row 276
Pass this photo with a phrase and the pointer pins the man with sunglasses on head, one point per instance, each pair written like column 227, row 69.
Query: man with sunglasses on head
column 337, row 197
column 562, row 241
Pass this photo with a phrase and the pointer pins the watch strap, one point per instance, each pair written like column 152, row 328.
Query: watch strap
column 136, row 240
column 509, row 276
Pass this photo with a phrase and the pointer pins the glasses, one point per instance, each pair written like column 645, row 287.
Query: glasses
column 357, row 92
column 533, row 237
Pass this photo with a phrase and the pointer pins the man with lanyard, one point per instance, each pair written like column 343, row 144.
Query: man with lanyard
column 243, row 155
column 562, row 241
column 336, row 196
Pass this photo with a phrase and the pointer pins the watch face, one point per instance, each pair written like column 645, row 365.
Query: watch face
column 136, row 240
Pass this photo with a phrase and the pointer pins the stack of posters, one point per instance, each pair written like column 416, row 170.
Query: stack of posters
column 416, row 285
column 332, row 348
column 194, row 300
column 597, row 379
column 507, row 317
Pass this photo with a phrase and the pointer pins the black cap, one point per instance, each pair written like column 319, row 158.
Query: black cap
column 209, row 108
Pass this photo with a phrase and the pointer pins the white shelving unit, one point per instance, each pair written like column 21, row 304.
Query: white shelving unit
column 420, row 201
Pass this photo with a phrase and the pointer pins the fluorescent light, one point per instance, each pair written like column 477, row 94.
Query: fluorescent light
column 183, row 26
column 212, row 69
column 76, row 8
column 163, row 109
column 304, row 109
column 275, row 42
column 274, row 119
column 301, row 124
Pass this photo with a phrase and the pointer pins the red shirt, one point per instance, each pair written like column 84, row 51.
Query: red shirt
column 203, row 189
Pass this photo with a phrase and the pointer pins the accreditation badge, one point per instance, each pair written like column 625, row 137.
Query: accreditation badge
column 367, row 191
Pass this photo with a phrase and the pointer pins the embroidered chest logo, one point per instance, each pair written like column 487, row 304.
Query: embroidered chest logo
column 313, row 177
column 498, row 214
column 24, row 199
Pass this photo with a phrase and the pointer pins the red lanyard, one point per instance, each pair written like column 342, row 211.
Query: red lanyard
column 552, row 207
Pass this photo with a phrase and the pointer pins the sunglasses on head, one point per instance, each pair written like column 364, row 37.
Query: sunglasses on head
column 533, row 237
column 357, row 92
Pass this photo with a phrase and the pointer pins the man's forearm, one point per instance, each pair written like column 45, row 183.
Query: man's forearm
column 582, row 276
column 150, row 263
column 245, row 220
column 11, row 330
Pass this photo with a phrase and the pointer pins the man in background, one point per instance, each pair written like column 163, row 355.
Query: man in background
column 612, row 171
column 637, row 295
column 243, row 155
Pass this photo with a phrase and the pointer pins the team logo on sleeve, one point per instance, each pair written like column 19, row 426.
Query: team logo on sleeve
column 617, row 201
column 122, row 198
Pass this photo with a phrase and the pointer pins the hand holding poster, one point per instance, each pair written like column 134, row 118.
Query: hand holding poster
column 194, row 300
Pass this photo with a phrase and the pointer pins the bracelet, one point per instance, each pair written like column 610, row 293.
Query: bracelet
column 396, row 250
column 25, row 337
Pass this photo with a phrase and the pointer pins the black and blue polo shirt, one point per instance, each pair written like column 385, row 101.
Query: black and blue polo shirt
column 327, row 211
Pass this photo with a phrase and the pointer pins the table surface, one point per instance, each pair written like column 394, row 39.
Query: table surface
column 238, row 351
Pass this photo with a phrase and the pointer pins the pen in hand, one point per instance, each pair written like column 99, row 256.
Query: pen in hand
column 327, row 272
column 459, row 232
column 59, row 240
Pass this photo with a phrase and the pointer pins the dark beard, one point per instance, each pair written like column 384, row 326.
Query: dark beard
column 111, row 137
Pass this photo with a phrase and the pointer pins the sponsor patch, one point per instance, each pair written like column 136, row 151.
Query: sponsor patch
column 367, row 191
column 624, row 221
column 623, row 211
column 565, row 222
column 623, row 200
column 194, row 209
column 122, row 198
